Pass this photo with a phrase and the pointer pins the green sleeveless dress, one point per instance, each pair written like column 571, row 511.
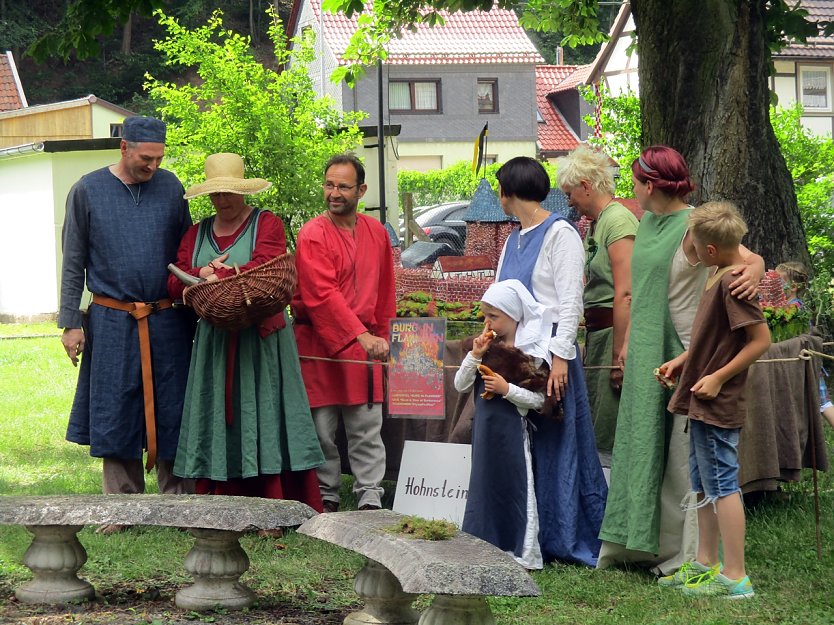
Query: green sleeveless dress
column 632, row 513
column 272, row 429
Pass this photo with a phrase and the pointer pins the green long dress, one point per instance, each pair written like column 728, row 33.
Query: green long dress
column 633, row 510
column 272, row 429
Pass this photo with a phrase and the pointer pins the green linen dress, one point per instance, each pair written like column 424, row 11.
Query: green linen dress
column 644, row 425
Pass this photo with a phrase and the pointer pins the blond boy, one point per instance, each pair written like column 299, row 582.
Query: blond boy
column 728, row 335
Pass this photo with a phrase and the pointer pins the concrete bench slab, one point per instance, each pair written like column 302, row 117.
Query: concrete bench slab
column 460, row 571
column 216, row 561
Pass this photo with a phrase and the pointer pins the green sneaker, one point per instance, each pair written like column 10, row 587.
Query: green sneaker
column 720, row 586
column 688, row 572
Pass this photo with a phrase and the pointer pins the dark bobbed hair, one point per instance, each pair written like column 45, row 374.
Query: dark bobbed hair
column 347, row 159
column 524, row 178
column 665, row 168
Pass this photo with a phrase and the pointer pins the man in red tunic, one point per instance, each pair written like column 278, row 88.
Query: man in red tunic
column 342, row 307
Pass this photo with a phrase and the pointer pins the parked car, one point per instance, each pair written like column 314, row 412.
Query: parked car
column 443, row 223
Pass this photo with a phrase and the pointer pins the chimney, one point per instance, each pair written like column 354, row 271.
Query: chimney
column 560, row 56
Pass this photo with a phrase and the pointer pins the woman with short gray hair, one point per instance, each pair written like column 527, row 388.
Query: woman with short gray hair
column 587, row 179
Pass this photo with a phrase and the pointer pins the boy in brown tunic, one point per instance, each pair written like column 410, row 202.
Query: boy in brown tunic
column 728, row 335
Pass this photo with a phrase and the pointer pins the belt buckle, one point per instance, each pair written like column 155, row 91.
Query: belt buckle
column 154, row 306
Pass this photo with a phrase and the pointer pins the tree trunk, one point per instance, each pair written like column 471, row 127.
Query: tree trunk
column 704, row 90
column 127, row 35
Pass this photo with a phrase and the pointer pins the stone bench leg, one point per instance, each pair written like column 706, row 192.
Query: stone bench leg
column 385, row 601
column 216, row 561
column 54, row 558
column 458, row 610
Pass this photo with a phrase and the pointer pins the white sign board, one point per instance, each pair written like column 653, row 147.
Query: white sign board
column 434, row 480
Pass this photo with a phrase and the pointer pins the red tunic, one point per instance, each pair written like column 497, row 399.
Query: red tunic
column 345, row 288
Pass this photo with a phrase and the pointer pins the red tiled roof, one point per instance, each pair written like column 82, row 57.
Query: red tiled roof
column 554, row 132
column 472, row 37
column 817, row 47
column 11, row 93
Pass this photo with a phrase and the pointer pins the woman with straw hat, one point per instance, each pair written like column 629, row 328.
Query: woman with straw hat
column 246, row 427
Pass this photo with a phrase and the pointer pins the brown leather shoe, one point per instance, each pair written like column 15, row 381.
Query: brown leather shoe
column 369, row 506
column 330, row 506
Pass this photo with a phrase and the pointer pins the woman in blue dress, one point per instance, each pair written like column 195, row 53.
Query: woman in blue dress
column 545, row 254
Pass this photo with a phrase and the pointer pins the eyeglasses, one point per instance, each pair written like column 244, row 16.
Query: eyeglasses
column 343, row 188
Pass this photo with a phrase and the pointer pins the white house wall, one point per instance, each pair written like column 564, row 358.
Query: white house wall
column 451, row 152
column 33, row 193
column 102, row 119
column 325, row 62
column 28, row 286
column 784, row 84
column 620, row 71
column 820, row 126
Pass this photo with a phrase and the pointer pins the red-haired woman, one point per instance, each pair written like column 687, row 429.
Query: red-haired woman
column 649, row 471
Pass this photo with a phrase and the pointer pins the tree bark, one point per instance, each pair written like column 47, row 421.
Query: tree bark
column 704, row 90
column 252, row 32
column 127, row 35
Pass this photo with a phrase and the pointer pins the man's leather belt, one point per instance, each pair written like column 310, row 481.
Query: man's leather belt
column 140, row 312
column 598, row 319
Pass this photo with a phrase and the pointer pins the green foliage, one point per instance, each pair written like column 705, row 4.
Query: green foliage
column 422, row 304
column 820, row 300
column 18, row 27
column 274, row 120
column 810, row 159
column 84, row 22
column 785, row 322
column 621, row 132
column 456, row 182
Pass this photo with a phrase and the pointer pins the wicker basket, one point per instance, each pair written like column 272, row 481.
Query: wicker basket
column 247, row 298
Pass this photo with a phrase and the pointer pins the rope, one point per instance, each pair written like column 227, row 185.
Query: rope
column 804, row 355
column 29, row 336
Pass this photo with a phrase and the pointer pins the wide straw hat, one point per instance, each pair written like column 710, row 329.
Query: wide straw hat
column 224, row 174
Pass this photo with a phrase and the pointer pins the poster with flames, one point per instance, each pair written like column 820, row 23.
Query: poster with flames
column 415, row 368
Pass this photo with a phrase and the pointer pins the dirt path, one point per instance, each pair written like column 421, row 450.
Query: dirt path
column 156, row 607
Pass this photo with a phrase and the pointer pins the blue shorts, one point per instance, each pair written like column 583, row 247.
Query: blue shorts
column 713, row 460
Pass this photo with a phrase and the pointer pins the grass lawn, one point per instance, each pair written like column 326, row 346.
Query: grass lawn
column 306, row 581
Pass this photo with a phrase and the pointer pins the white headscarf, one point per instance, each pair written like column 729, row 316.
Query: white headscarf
column 534, row 320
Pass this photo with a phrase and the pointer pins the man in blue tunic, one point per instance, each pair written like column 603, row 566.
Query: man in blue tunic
column 123, row 226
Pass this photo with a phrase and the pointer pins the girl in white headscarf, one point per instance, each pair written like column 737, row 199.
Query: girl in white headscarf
column 509, row 397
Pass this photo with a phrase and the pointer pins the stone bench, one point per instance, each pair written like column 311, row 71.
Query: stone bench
column 216, row 561
column 460, row 571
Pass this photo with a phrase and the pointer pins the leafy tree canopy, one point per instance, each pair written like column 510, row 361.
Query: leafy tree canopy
column 274, row 120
